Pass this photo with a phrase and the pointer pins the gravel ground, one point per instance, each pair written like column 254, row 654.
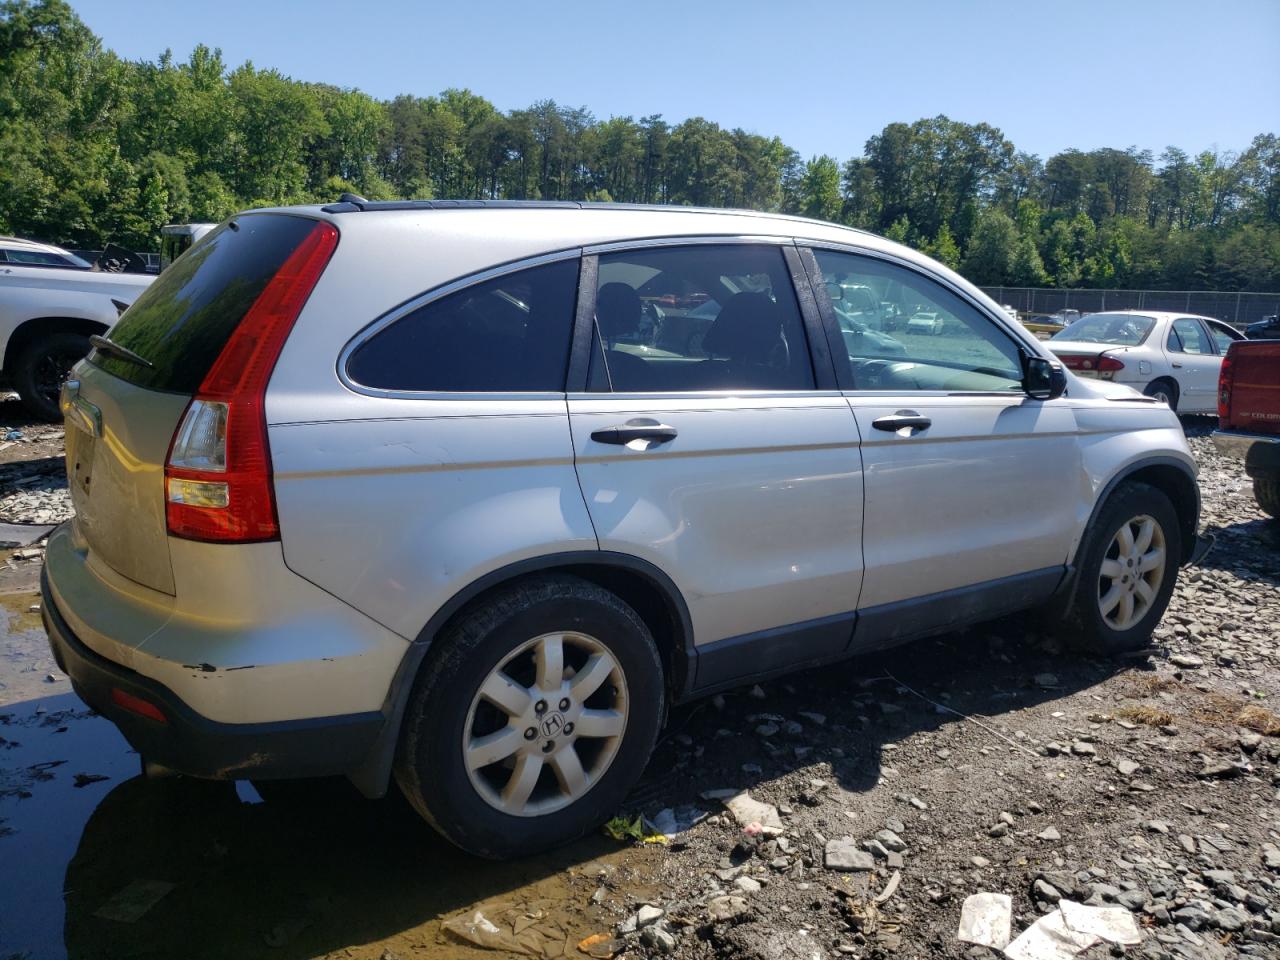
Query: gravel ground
column 988, row 760
column 1148, row 783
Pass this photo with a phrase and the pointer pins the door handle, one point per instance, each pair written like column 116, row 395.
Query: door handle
column 1177, row 366
column 903, row 419
column 641, row 429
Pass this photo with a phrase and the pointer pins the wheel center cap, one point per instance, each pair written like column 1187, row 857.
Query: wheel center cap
column 552, row 724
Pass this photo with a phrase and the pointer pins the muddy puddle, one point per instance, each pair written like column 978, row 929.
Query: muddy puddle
column 96, row 862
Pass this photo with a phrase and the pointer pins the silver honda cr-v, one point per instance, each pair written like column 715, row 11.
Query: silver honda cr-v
column 468, row 494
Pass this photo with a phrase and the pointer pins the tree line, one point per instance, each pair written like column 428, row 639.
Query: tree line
column 98, row 148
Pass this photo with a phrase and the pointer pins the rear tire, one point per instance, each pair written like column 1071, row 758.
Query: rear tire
column 1267, row 493
column 41, row 367
column 577, row 720
column 1126, row 570
column 1164, row 389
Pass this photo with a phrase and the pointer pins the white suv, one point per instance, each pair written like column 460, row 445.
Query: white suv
column 412, row 490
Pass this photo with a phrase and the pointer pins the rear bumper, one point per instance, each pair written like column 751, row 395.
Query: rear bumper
column 1260, row 453
column 195, row 745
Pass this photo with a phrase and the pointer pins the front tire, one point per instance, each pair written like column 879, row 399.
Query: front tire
column 1128, row 565
column 41, row 368
column 1267, row 493
column 532, row 718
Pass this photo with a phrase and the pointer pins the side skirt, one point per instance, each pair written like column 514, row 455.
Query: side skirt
column 751, row 657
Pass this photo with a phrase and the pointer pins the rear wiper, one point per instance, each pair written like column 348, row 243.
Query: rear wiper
column 124, row 353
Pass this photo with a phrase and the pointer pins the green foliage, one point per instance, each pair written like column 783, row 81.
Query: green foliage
column 96, row 148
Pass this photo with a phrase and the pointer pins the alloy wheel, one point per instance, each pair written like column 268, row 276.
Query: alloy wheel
column 1133, row 568
column 545, row 724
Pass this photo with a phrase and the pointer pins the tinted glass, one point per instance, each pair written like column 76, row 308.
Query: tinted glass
column 509, row 334
column 698, row 318
column 1122, row 329
column 184, row 319
column 39, row 258
column 1187, row 336
column 1223, row 336
column 905, row 331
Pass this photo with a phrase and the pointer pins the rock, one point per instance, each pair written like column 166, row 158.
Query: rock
column 1191, row 915
column 844, row 855
column 980, row 862
column 747, row 812
column 648, row 914
column 767, row 729
column 1156, row 826
column 1082, row 749
column 999, row 830
column 1049, row 833
column 1045, row 892
column 1271, row 857
column 986, row 919
column 890, row 841
column 748, row 885
column 1046, row 680
column 1128, row 768
column 1188, row 661
column 659, row 938
column 757, row 692
column 724, row 909
column 1188, row 843
column 817, row 719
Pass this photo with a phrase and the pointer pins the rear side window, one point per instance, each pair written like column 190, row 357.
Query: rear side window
column 697, row 318
column 1187, row 336
column 505, row 335
column 184, row 319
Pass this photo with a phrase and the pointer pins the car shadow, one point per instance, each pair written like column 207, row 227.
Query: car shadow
column 308, row 868
column 866, row 707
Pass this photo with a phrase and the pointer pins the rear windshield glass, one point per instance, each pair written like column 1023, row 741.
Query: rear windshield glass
column 183, row 320
column 1124, row 329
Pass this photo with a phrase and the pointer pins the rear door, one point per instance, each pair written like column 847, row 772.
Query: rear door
column 707, row 444
column 1195, row 363
column 122, row 414
column 972, row 488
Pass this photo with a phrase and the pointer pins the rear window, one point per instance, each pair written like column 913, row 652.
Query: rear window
column 183, row 320
column 1122, row 329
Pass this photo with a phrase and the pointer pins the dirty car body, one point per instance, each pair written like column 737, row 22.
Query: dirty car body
column 363, row 488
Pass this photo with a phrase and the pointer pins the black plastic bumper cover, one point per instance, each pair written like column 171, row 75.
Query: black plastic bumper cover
column 195, row 745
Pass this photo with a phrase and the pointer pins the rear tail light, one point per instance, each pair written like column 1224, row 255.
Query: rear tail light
column 1226, row 379
column 1104, row 365
column 218, row 474
column 1108, row 367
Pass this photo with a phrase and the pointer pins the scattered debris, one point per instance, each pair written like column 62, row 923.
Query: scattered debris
column 986, row 919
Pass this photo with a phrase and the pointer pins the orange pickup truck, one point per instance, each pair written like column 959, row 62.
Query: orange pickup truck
column 1249, row 415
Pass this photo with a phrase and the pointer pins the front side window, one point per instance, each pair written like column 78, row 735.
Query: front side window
column 39, row 258
column 697, row 318
column 902, row 330
column 509, row 334
column 1187, row 336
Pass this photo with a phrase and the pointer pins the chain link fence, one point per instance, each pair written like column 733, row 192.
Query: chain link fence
column 1236, row 309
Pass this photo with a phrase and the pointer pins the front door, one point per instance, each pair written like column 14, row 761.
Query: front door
column 972, row 488
column 705, row 446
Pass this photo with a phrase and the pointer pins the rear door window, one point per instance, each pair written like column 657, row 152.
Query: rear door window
column 184, row 319
column 506, row 335
column 697, row 318
column 1187, row 336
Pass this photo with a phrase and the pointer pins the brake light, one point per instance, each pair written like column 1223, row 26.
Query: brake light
column 218, row 474
column 1226, row 379
column 1108, row 366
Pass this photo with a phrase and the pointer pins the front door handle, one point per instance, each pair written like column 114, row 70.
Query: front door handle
column 1178, row 366
column 640, row 429
column 902, row 420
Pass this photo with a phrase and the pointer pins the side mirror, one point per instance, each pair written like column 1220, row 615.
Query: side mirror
column 834, row 291
column 1043, row 379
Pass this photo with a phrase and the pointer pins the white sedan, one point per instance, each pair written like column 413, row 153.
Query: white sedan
column 1174, row 357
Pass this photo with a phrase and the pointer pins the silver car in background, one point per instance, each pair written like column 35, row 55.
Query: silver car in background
column 387, row 490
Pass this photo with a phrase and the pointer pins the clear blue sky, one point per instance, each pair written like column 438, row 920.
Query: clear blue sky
column 822, row 74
